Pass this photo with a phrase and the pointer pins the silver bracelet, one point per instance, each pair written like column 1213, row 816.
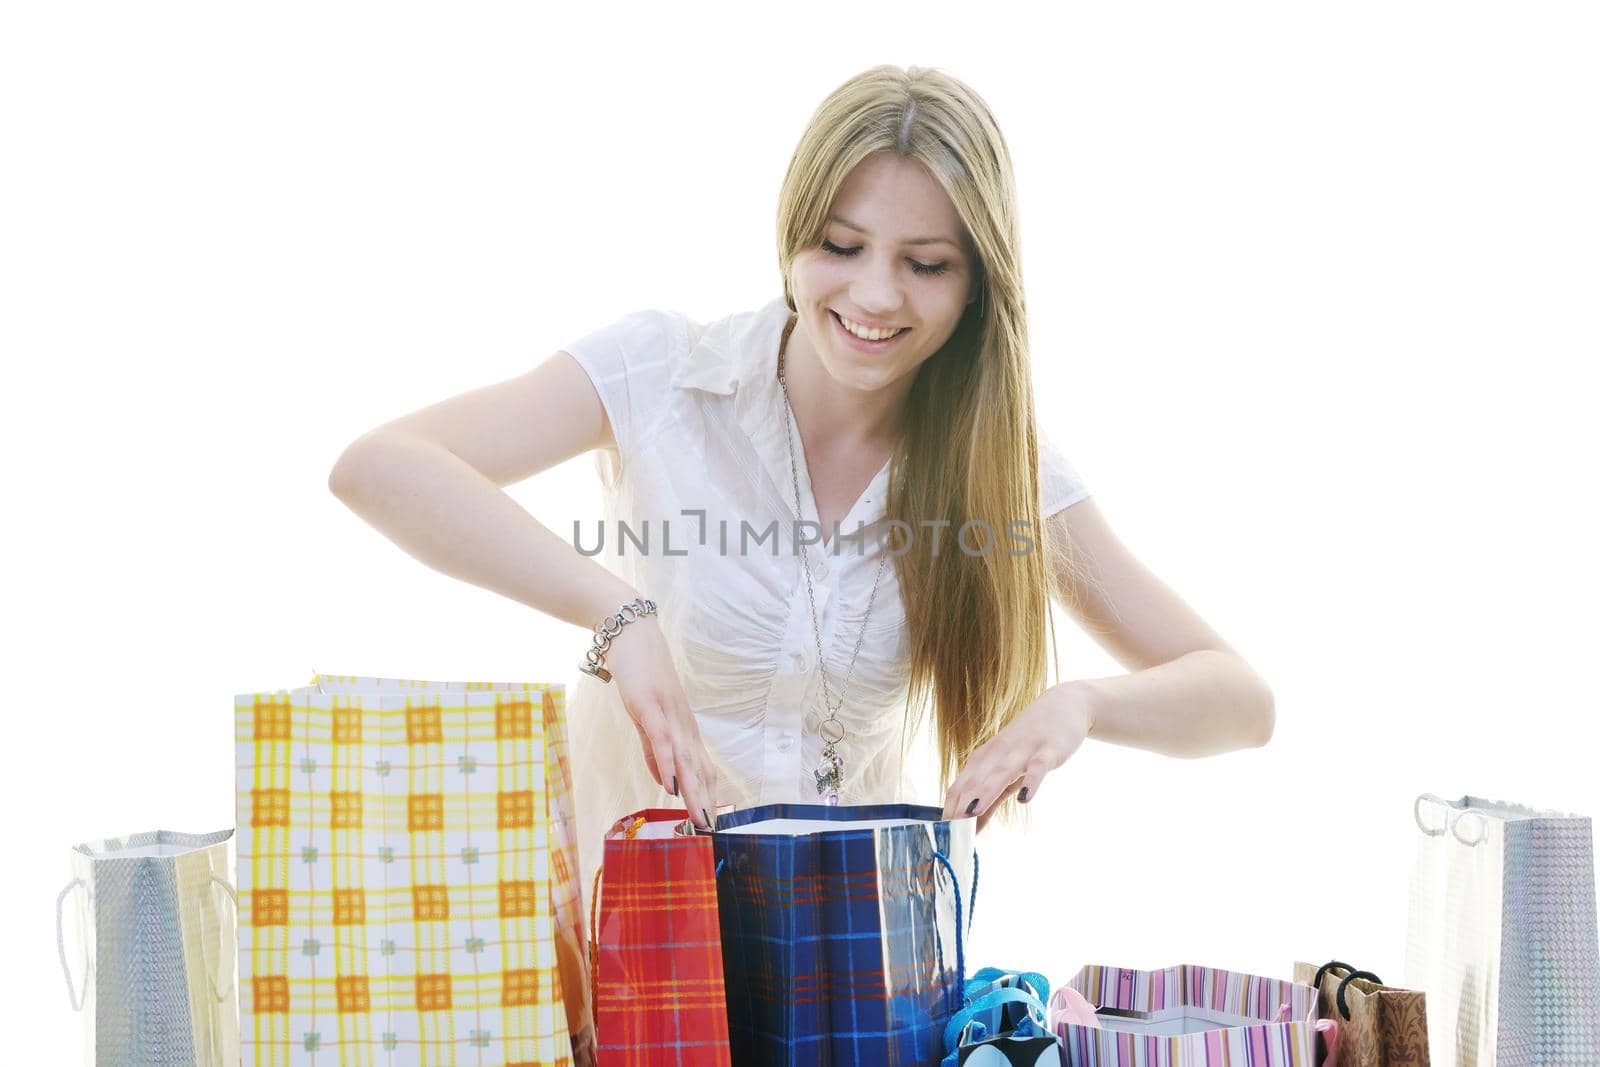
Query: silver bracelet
column 595, row 658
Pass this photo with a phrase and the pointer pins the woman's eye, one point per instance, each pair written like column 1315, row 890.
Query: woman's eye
column 919, row 268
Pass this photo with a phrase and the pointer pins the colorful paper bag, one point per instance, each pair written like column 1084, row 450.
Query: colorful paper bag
column 1003, row 1023
column 407, row 886
column 657, row 947
column 156, row 926
column 1189, row 1016
column 1378, row 1025
column 1502, row 935
column 842, row 932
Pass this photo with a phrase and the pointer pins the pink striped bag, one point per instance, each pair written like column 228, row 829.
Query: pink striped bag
column 1186, row 1016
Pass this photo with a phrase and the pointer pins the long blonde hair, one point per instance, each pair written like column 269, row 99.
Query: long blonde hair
column 978, row 625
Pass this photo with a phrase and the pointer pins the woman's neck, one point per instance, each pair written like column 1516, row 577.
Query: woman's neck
column 847, row 419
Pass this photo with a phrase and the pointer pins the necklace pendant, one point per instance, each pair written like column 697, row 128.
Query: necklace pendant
column 830, row 775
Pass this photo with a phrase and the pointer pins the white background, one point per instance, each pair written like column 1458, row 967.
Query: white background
column 1313, row 299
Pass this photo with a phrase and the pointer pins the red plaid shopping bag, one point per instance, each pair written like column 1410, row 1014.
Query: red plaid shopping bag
column 657, row 947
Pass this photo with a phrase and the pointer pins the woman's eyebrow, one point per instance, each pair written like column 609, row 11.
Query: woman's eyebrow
column 914, row 241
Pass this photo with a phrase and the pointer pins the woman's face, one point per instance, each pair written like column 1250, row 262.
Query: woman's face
column 892, row 255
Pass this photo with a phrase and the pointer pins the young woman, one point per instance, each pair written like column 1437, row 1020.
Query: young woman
column 889, row 392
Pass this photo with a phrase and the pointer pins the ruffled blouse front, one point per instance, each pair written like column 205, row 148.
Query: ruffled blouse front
column 701, row 480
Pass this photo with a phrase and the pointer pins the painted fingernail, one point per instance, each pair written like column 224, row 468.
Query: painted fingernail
column 708, row 818
column 674, row 785
column 972, row 807
column 1023, row 796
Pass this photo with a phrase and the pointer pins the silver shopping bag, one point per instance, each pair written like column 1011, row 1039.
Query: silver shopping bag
column 157, row 920
column 1502, row 935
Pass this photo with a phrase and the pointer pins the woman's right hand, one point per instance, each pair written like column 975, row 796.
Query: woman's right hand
column 641, row 668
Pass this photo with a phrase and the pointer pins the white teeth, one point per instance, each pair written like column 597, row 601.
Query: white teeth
column 864, row 333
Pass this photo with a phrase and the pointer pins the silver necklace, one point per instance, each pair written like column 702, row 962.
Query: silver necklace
column 830, row 769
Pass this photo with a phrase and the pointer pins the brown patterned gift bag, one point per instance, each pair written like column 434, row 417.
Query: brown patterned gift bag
column 1378, row 1025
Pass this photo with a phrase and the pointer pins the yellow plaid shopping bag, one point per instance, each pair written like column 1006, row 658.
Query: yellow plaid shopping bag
column 406, row 876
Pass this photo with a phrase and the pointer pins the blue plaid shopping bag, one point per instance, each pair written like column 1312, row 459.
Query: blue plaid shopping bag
column 842, row 932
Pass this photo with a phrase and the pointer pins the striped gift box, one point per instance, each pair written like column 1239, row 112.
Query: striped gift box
column 407, row 886
column 1189, row 1016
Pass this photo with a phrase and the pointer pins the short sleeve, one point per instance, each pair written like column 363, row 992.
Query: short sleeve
column 1060, row 485
column 629, row 362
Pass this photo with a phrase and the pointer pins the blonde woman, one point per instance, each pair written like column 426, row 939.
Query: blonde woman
column 887, row 391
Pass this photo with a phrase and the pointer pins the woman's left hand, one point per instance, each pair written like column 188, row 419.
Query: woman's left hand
column 1042, row 737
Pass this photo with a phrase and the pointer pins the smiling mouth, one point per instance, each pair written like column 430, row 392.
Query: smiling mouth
column 859, row 340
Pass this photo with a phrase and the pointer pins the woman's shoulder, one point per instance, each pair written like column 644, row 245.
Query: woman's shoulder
column 642, row 335
column 631, row 360
column 677, row 349
column 643, row 359
column 720, row 352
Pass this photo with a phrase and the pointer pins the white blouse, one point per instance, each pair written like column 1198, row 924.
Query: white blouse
column 697, row 414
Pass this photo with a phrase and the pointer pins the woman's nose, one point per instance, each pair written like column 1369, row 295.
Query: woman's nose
column 876, row 289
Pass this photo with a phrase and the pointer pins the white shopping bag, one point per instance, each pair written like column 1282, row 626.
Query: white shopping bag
column 1502, row 935
column 157, row 922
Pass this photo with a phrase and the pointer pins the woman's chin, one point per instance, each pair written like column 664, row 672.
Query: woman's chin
column 859, row 376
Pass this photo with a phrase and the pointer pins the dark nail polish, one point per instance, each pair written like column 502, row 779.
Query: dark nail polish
column 972, row 807
column 1023, row 796
column 708, row 818
column 674, row 785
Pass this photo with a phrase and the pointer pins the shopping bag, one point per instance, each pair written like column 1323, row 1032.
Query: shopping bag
column 156, row 925
column 1379, row 1025
column 407, row 886
column 1002, row 1023
column 842, row 931
column 1190, row 1016
column 1502, row 934
column 657, row 946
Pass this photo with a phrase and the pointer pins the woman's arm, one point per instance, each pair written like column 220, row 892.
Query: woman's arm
column 1189, row 693
column 431, row 482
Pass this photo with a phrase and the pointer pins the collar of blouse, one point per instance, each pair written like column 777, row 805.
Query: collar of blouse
column 738, row 356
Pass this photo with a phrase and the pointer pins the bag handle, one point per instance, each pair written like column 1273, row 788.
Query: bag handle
column 1316, row 983
column 955, row 883
column 1330, row 1040
column 211, row 972
column 972, row 898
column 1416, row 814
column 1035, row 981
column 961, row 963
column 988, row 1002
column 1483, row 828
column 61, row 948
column 1069, row 1006
column 1344, row 1007
column 594, row 929
column 1452, row 820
